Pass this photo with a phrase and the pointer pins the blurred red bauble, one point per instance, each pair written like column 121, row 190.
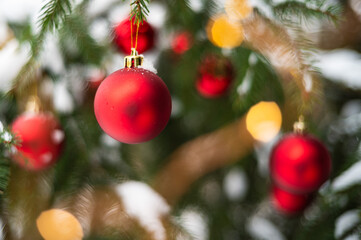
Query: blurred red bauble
column 132, row 105
column 215, row 76
column 41, row 140
column 300, row 163
column 122, row 36
column 289, row 203
column 182, row 42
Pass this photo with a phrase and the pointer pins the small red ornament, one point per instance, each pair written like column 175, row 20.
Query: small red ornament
column 123, row 32
column 300, row 163
column 132, row 105
column 215, row 75
column 41, row 140
column 289, row 203
column 182, row 42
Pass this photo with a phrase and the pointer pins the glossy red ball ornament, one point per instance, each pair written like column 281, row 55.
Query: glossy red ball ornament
column 300, row 163
column 289, row 203
column 215, row 76
column 123, row 32
column 132, row 105
column 41, row 140
column 182, row 42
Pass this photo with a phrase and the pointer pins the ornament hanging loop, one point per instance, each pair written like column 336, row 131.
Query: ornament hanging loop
column 299, row 126
column 133, row 60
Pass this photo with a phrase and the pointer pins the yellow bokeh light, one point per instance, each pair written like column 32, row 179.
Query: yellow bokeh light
column 224, row 33
column 57, row 224
column 238, row 9
column 264, row 121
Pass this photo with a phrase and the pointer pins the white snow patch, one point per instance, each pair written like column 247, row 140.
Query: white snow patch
column 63, row 101
column 6, row 136
column 144, row 204
column 100, row 30
column 245, row 86
column 20, row 10
column 195, row 223
column 148, row 65
column 346, row 221
column 353, row 237
column 350, row 108
column 57, row 136
column 235, row 184
column 342, row 66
column 46, row 157
column 4, row 32
column 51, row 56
column 109, row 141
column 119, row 13
column 252, row 59
column 196, row 5
column 261, row 228
column 263, row 152
column 348, row 178
column 116, row 63
column 261, row 5
column 12, row 58
column 158, row 16
column 177, row 107
column 98, row 7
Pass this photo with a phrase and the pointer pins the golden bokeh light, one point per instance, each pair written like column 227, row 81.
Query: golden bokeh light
column 57, row 224
column 264, row 121
column 224, row 33
column 238, row 9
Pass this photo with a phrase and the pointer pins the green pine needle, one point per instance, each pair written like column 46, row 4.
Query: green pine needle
column 4, row 174
column 304, row 11
column 53, row 13
column 139, row 10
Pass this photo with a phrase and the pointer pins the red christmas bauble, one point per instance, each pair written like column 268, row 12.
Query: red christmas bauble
column 41, row 140
column 215, row 76
column 182, row 42
column 300, row 163
column 289, row 203
column 132, row 105
column 122, row 36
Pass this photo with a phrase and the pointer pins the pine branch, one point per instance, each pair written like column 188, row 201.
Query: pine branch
column 53, row 13
column 304, row 11
column 7, row 141
column 4, row 174
column 139, row 10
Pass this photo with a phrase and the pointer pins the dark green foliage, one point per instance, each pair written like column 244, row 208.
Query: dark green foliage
column 85, row 160
column 291, row 10
column 4, row 174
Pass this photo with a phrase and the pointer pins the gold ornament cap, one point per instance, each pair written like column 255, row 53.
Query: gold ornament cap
column 133, row 60
column 299, row 126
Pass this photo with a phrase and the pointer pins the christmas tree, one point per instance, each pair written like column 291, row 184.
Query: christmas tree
column 180, row 119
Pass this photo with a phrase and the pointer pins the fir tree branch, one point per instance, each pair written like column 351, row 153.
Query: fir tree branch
column 304, row 11
column 4, row 174
column 139, row 10
column 53, row 14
